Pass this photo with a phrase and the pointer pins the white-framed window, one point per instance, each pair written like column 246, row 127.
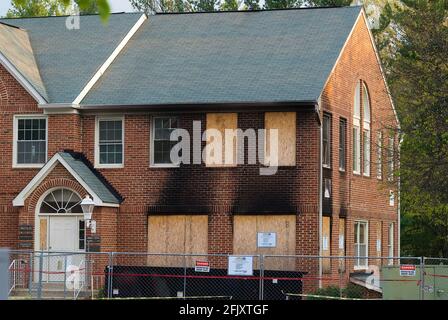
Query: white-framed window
column 361, row 244
column 326, row 140
column 390, row 159
column 379, row 154
column 366, row 131
column 390, row 244
column 30, row 143
column 342, row 143
column 109, row 142
column 161, row 144
column 357, row 130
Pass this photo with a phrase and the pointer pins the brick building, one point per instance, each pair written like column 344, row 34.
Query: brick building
column 88, row 111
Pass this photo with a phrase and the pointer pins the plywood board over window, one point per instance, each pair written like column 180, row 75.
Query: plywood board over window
column 221, row 122
column 326, row 244
column 176, row 234
column 246, row 229
column 43, row 234
column 285, row 123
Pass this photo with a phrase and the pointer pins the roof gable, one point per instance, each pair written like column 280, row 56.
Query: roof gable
column 100, row 191
column 68, row 59
column 16, row 53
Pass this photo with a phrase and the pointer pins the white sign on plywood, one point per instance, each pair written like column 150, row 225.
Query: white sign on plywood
column 266, row 239
column 240, row 266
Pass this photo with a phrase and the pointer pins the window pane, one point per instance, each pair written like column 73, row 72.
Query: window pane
column 111, row 142
column 161, row 138
column 31, row 141
column 342, row 141
column 327, row 140
column 366, row 153
column 356, row 155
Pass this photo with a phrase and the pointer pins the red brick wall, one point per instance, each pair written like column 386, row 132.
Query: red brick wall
column 366, row 198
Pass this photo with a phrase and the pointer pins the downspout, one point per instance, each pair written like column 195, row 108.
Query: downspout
column 399, row 200
column 320, row 189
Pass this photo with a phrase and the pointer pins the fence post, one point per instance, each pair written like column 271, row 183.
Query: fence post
column 39, row 285
column 185, row 276
column 422, row 277
column 110, row 275
column 261, row 258
column 30, row 276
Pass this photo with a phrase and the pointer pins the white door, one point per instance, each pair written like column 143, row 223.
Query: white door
column 63, row 237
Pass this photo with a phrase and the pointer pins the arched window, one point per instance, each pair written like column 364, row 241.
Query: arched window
column 357, row 130
column 61, row 201
column 366, row 130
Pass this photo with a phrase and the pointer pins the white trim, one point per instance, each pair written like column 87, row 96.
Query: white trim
column 97, row 141
column 109, row 61
column 19, row 201
column 151, row 147
column 16, row 118
column 340, row 54
column 362, row 267
column 22, row 80
column 377, row 55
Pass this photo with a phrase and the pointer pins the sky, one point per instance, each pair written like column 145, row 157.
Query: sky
column 117, row 6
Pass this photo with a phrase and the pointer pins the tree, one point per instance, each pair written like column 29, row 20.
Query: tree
column 282, row 4
column 36, row 8
column 153, row 6
column 90, row 7
column 228, row 5
column 416, row 55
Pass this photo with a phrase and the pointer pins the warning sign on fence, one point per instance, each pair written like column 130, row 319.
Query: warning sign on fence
column 407, row 270
column 202, row 266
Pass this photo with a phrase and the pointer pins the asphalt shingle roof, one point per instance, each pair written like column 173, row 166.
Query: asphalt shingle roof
column 68, row 59
column 228, row 57
column 91, row 178
column 196, row 58
column 16, row 47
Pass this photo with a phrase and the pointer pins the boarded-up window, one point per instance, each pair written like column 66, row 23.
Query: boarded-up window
column 245, row 238
column 326, row 244
column 43, row 234
column 221, row 151
column 176, row 234
column 285, row 123
column 341, row 244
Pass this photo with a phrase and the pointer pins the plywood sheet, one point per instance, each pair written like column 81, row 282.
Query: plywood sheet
column 221, row 122
column 245, row 233
column 176, row 234
column 43, row 234
column 326, row 244
column 285, row 123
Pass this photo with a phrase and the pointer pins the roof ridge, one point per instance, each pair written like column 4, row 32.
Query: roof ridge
column 65, row 16
column 259, row 10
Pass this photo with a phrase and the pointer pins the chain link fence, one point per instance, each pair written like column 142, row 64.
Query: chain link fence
column 119, row 275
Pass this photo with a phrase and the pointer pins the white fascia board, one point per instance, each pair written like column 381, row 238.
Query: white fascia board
column 19, row 201
column 340, row 54
column 372, row 40
column 109, row 60
column 22, row 80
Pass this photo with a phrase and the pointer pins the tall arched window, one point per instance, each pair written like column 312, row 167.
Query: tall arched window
column 357, row 130
column 366, row 130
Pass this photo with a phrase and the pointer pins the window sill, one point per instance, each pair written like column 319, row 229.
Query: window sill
column 164, row 166
column 28, row 166
column 109, row 166
column 356, row 173
column 342, row 170
column 326, row 166
column 360, row 268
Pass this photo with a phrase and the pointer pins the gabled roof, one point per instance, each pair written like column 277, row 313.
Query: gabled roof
column 17, row 52
column 227, row 57
column 68, row 59
column 102, row 192
column 191, row 58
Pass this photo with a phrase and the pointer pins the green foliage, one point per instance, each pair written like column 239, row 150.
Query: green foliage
column 330, row 3
column 229, row 5
column 36, row 8
column 415, row 53
column 282, row 4
column 352, row 291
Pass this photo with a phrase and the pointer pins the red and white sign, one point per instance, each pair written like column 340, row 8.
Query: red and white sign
column 202, row 266
column 407, row 270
